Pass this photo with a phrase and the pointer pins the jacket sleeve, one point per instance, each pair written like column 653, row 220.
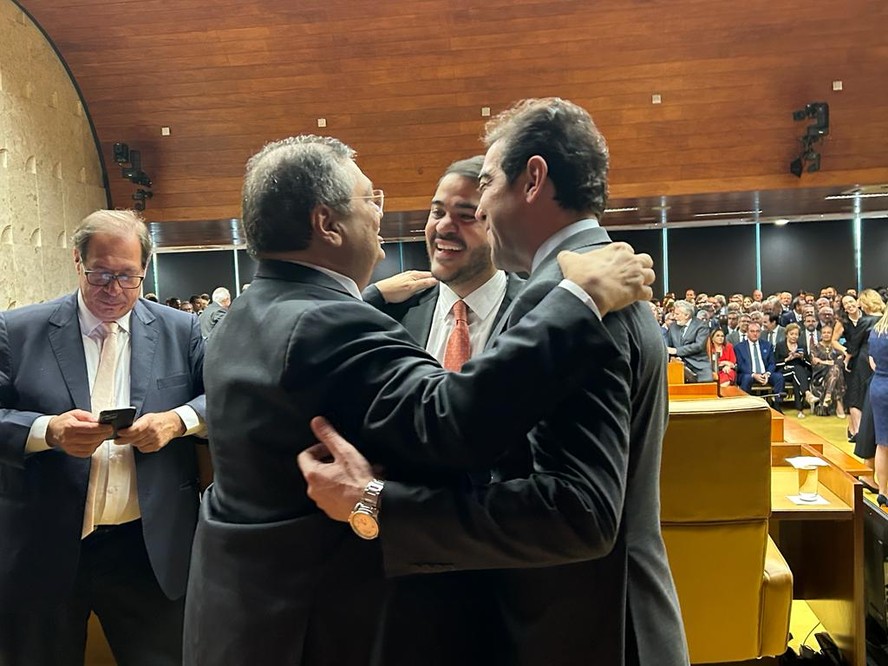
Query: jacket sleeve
column 413, row 412
column 567, row 510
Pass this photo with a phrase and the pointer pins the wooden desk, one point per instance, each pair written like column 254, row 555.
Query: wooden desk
column 823, row 545
column 796, row 433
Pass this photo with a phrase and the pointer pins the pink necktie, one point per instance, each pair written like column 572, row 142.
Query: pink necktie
column 102, row 398
column 459, row 348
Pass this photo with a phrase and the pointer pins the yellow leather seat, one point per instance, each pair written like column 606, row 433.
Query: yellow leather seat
column 734, row 586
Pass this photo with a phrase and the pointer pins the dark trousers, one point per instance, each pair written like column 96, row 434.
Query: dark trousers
column 115, row 580
column 801, row 383
column 775, row 380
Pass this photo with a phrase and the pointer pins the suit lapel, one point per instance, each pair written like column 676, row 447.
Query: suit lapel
column 67, row 346
column 418, row 319
column 143, row 345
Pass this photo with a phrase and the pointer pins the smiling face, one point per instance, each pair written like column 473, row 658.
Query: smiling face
column 459, row 251
column 116, row 254
column 499, row 206
column 850, row 305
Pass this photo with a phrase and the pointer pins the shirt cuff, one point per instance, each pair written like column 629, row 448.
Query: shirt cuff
column 578, row 291
column 37, row 435
column 194, row 425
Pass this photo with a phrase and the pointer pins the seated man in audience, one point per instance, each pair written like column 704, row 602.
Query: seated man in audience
column 773, row 332
column 756, row 365
column 686, row 339
column 739, row 334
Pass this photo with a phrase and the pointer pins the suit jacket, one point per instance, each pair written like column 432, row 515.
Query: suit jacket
column 416, row 313
column 271, row 574
column 744, row 359
column 211, row 316
column 691, row 347
column 572, row 521
column 42, row 495
column 734, row 337
column 779, row 335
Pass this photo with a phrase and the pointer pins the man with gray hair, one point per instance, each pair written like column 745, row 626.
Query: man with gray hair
column 686, row 339
column 271, row 574
column 97, row 517
column 214, row 312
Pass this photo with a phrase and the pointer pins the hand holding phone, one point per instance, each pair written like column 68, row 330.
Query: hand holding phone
column 119, row 418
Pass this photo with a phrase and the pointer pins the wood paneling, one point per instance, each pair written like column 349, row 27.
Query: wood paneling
column 404, row 82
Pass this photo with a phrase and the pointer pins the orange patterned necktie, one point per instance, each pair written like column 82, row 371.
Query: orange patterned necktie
column 459, row 348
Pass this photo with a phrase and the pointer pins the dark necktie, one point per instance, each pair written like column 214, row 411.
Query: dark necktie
column 811, row 341
column 459, row 347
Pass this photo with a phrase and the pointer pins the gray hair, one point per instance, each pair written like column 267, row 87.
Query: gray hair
column 686, row 306
column 284, row 183
column 220, row 295
column 116, row 223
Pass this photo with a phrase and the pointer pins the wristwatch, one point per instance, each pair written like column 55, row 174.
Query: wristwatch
column 364, row 518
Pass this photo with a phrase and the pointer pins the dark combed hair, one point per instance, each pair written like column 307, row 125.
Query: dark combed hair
column 283, row 184
column 469, row 168
column 566, row 137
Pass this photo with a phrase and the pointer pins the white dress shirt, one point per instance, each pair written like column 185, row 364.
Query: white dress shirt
column 115, row 500
column 482, row 305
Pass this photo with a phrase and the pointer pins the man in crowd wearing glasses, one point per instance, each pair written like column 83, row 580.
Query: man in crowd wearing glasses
column 90, row 522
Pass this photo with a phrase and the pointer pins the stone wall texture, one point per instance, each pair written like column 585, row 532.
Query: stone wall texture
column 50, row 172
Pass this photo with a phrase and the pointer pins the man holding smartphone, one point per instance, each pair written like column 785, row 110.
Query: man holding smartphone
column 90, row 523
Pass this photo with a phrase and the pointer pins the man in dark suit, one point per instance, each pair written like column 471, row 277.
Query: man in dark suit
column 773, row 332
column 459, row 256
column 89, row 523
column 686, row 339
column 756, row 363
column 570, row 523
column 272, row 576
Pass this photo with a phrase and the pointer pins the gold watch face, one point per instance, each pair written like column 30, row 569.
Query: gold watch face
column 364, row 525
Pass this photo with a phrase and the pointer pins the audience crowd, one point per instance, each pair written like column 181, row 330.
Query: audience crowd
column 812, row 346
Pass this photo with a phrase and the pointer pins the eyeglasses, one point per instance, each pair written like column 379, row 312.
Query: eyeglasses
column 103, row 279
column 377, row 198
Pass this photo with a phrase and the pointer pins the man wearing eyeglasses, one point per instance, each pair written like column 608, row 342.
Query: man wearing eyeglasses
column 90, row 522
column 271, row 577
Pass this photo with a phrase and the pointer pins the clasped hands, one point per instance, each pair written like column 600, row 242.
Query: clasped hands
column 78, row 433
column 761, row 377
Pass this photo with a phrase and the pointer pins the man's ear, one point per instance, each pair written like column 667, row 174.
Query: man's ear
column 537, row 173
column 78, row 264
column 325, row 225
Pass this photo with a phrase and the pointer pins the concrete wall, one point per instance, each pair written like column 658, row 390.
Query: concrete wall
column 50, row 173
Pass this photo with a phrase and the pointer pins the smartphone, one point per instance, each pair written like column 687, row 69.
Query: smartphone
column 119, row 418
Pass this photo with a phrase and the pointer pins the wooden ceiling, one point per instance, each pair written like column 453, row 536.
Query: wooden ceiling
column 404, row 82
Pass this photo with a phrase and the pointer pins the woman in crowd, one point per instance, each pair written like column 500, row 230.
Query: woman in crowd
column 878, row 398
column 858, row 325
column 723, row 352
column 827, row 377
column 796, row 366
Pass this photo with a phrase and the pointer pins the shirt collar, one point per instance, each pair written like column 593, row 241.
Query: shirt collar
column 482, row 301
column 559, row 237
column 347, row 283
column 89, row 322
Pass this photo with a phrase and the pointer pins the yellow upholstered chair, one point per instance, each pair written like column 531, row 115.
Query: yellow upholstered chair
column 734, row 586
